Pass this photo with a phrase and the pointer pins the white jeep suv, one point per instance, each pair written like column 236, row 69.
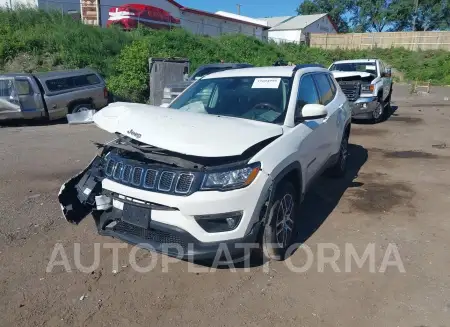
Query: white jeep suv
column 228, row 163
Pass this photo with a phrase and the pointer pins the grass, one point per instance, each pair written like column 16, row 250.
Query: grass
column 34, row 40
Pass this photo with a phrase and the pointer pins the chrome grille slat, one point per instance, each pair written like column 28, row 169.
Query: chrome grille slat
column 166, row 181
column 184, row 183
column 126, row 176
column 118, row 170
column 110, row 167
column 137, row 176
column 150, row 178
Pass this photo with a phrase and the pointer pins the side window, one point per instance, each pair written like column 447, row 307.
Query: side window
column 324, row 88
column 382, row 68
column 307, row 94
column 60, row 84
column 23, row 87
column 333, row 85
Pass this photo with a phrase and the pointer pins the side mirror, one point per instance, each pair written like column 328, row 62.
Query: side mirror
column 388, row 72
column 312, row 111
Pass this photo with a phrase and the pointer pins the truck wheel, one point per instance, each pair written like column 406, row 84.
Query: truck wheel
column 388, row 107
column 277, row 236
column 378, row 113
column 80, row 108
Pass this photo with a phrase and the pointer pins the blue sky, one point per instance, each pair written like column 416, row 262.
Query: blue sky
column 251, row 8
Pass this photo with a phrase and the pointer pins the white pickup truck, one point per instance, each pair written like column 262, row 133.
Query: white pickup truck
column 367, row 83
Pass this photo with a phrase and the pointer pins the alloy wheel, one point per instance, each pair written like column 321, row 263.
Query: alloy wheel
column 284, row 220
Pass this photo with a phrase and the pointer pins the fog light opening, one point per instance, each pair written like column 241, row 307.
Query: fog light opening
column 219, row 223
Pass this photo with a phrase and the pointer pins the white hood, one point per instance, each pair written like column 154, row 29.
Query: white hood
column 338, row 74
column 184, row 132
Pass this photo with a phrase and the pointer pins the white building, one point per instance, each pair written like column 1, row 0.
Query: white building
column 294, row 28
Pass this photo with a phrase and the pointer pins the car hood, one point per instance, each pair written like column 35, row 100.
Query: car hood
column 338, row 74
column 188, row 133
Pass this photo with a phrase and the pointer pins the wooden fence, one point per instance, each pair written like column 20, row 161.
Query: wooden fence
column 407, row 40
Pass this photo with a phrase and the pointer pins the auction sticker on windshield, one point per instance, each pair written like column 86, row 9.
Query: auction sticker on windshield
column 266, row 83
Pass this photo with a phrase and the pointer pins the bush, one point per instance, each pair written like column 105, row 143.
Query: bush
column 34, row 40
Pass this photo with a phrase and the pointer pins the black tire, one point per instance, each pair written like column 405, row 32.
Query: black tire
column 379, row 113
column 80, row 107
column 340, row 167
column 278, row 234
column 388, row 108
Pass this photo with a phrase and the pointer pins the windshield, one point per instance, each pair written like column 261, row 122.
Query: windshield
column 257, row 98
column 364, row 67
column 207, row 71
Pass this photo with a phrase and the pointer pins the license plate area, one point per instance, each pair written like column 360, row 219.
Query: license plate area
column 136, row 215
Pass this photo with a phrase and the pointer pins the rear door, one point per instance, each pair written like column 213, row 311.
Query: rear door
column 327, row 95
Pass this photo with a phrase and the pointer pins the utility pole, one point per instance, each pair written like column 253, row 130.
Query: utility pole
column 238, row 8
column 416, row 6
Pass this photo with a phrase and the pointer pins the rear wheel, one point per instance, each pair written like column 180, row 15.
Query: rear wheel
column 340, row 167
column 278, row 233
column 80, row 107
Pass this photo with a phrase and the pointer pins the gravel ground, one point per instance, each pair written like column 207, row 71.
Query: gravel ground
column 396, row 192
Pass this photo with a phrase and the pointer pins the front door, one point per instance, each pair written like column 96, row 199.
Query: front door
column 327, row 97
column 310, row 133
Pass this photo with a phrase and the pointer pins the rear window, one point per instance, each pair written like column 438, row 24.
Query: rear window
column 66, row 83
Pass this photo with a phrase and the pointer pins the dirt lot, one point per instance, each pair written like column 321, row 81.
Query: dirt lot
column 397, row 191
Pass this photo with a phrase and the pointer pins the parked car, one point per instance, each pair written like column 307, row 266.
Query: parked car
column 173, row 90
column 367, row 83
column 228, row 168
column 50, row 95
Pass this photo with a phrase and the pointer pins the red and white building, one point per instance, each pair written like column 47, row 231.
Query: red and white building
column 161, row 14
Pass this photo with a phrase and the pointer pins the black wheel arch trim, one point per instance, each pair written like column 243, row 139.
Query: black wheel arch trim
column 294, row 166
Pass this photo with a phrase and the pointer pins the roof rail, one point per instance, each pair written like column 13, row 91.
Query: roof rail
column 301, row 66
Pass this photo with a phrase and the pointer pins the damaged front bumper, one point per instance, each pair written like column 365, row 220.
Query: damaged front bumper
column 164, row 222
column 363, row 108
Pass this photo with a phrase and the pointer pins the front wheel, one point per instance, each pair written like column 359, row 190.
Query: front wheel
column 279, row 232
column 378, row 113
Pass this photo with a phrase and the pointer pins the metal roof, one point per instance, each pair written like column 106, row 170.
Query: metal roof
column 274, row 21
column 298, row 22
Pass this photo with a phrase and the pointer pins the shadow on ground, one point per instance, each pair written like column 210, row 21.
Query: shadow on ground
column 318, row 204
column 31, row 122
column 390, row 113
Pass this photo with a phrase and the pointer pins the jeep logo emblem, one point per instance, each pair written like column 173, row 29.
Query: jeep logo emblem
column 133, row 133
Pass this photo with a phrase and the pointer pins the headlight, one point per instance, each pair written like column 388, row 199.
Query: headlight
column 231, row 179
column 167, row 93
column 367, row 88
